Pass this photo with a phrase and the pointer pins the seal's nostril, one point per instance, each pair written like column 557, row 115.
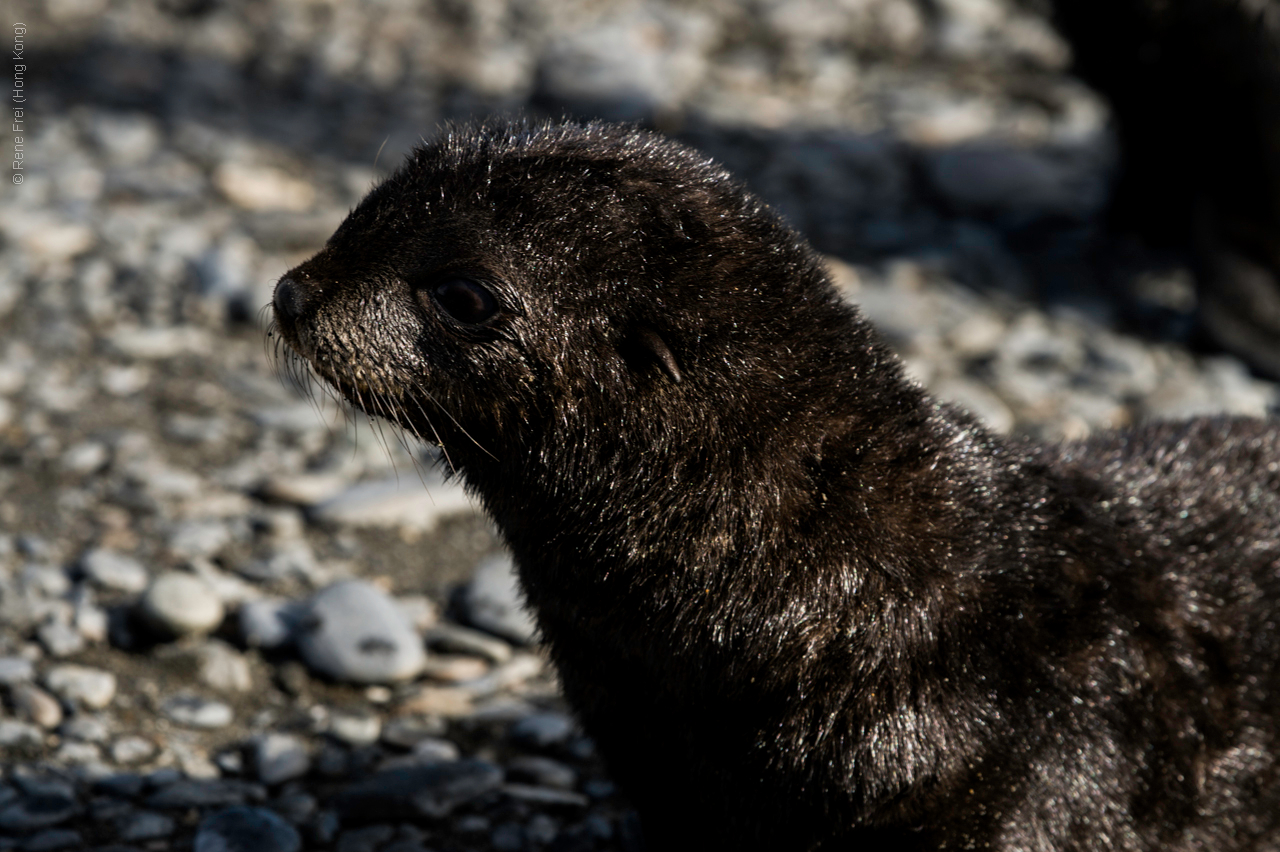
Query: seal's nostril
column 289, row 300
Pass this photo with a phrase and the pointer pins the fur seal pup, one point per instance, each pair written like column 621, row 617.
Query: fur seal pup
column 798, row 603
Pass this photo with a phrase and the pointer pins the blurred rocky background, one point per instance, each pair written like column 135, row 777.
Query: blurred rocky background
column 234, row 616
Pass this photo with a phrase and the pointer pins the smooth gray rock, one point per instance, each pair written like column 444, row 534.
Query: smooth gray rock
column 177, row 604
column 542, row 729
column 246, row 829
column 202, row 793
column 145, row 825
column 92, row 688
column 403, row 501
column 280, row 757
column 269, row 622
column 16, row 670
column 33, row 703
column 542, row 771
column 52, row 840
column 493, row 601
column 111, row 570
column 452, row 637
column 197, row 712
column 16, row 734
column 408, row 731
column 408, row 793
column 34, row 812
column 199, row 538
column 132, row 748
column 59, row 638
column 353, row 632
column 222, row 667
column 85, row 728
column 355, row 728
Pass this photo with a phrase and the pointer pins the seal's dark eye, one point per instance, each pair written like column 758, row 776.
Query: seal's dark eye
column 465, row 300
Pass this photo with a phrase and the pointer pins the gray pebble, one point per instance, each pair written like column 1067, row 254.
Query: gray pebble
column 420, row 610
column 202, row 793
column 85, row 728
column 280, row 757
column 305, row 489
column 472, row 824
column 246, row 829
column 546, row 796
column 199, row 539
column 297, row 807
column 197, row 712
column 492, row 601
column 34, row 704
column 368, row 839
column 408, row 793
column 408, row 731
column 507, row 837
column 401, row 502
column 332, row 761
column 159, row 344
column 164, row 776
column 59, row 638
column 197, row 430
column 983, row 177
column 220, row 666
column 132, row 749
column 87, row 755
column 541, row 730
column 269, row 622
column 355, row 729
column 458, row 639
column 177, row 604
column 542, row 829
column 48, row 580
column 82, row 685
column 111, row 570
column 542, row 771
column 455, row 668
column 215, row 663
column 145, row 825
column 31, row 813
column 91, row 621
column 427, row 751
column 324, row 828
column 122, row 784
column 435, row 749
column 291, row 560
column 229, row 762
column 15, row 670
column 353, row 632
column 53, row 839
column 33, row 784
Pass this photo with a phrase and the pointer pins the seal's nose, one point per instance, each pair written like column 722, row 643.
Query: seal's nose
column 290, row 300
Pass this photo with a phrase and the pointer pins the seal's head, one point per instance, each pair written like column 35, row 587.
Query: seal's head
column 511, row 282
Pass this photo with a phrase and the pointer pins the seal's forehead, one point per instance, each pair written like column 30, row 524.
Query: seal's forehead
column 548, row 157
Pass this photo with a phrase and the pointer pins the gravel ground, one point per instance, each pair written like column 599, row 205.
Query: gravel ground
column 216, row 586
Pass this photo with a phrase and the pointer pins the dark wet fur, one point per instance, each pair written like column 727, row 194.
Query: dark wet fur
column 797, row 602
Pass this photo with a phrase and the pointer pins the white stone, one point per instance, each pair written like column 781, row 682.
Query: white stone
column 89, row 687
column 181, row 605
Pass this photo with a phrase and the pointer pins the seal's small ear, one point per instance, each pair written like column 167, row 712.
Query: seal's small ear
column 644, row 345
